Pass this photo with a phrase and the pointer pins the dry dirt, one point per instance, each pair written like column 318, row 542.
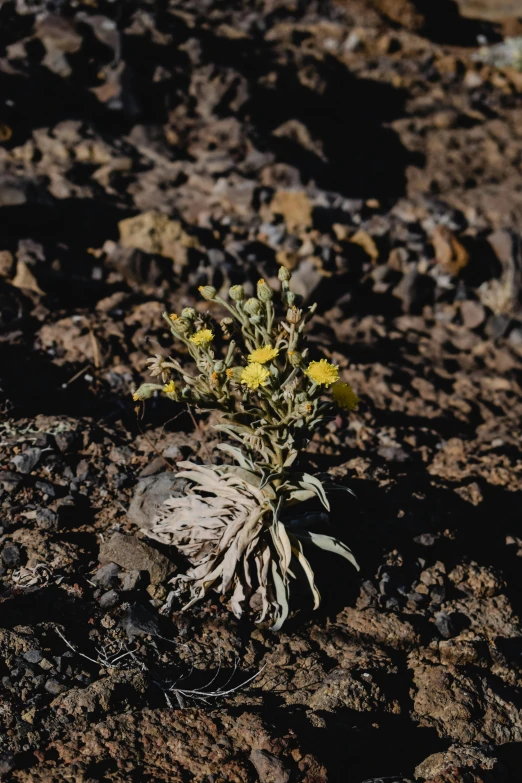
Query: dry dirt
column 151, row 147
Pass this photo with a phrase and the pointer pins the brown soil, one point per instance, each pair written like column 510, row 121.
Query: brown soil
column 148, row 148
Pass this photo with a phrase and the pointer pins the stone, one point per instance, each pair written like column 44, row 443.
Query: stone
column 138, row 621
column 295, row 207
column 109, row 599
column 473, row 314
column 32, row 656
column 455, row 759
column 444, row 625
column 151, row 493
column 107, row 575
column 498, row 325
column 54, row 687
column 11, row 556
column 7, row 763
column 135, row 555
column 132, row 580
column 27, row 461
column 10, row 481
column 268, row 767
column 153, row 232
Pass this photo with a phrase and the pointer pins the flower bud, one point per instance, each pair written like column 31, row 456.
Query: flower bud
column 182, row 326
column 207, row 292
column 301, row 397
column 293, row 315
column 252, row 306
column 283, row 274
column 145, row 391
column 290, row 298
column 219, row 366
column 264, row 292
column 237, row 293
column 295, row 358
column 188, row 312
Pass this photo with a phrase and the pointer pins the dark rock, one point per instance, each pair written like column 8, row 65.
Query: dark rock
column 138, row 621
column 135, row 555
column 109, row 599
column 6, row 763
column 46, row 519
column 65, row 441
column 11, row 556
column 9, row 481
column 54, row 687
column 27, row 461
column 33, row 656
column 437, row 594
column 497, row 326
column 46, row 487
column 132, row 580
column 151, row 493
column 444, row 625
column 107, row 575
column 425, row 539
column 269, row 768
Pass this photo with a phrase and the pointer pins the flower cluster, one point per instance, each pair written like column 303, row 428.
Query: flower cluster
column 255, row 369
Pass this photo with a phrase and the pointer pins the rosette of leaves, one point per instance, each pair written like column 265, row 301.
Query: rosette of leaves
column 241, row 526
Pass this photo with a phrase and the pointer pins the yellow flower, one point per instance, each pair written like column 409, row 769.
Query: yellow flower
column 169, row 388
column 263, row 355
column 202, row 337
column 255, row 375
column 345, row 396
column 323, row 373
column 173, row 316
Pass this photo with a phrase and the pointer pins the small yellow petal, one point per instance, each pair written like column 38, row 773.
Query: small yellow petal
column 203, row 337
column 345, row 396
column 263, row 355
column 323, row 373
column 255, row 375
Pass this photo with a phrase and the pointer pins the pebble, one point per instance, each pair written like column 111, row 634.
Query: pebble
column 54, row 687
column 27, row 461
column 6, row 763
column 473, row 314
column 138, row 621
column 132, row 580
column 109, row 599
column 135, row 555
column 425, row 539
column 444, row 625
column 107, row 575
column 32, row 656
column 11, row 556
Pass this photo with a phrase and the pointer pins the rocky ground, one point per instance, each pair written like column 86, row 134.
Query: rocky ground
column 151, row 147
